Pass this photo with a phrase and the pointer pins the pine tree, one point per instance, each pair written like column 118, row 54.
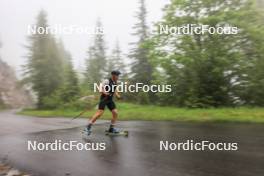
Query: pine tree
column 43, row 69
column 116, row 61
column 70, row 87
column 141, row 67
column 96, row 61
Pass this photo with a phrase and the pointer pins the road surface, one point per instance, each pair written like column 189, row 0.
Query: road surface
column 136, row 155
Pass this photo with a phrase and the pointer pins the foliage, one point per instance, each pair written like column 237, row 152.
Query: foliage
column 205, row 70
column 116, row 61
column 141, row 67
column 49, row 69
column 211, row 69
column 96, row 61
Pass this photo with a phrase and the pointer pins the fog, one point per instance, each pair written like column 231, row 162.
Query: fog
column 117, row 16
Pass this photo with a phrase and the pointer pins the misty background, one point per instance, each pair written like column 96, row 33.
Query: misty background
column 204, row 70
column 117, row 17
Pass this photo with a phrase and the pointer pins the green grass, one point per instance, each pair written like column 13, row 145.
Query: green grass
column 128, row 111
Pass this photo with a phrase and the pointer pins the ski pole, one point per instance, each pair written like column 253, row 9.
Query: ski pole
column 86, row 110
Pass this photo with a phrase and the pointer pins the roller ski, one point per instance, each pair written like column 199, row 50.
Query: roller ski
column 115, row 132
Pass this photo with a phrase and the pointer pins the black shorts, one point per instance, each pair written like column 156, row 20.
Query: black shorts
column 109, row 103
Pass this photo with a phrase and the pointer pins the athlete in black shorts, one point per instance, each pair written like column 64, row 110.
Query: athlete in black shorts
column 106, row 99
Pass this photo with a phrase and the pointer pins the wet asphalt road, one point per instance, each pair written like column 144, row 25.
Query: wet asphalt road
column 139, row 153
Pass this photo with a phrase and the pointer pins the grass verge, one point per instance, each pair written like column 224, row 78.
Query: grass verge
column 128, row 111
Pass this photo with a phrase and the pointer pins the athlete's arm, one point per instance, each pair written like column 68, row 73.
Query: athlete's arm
column 117, row 95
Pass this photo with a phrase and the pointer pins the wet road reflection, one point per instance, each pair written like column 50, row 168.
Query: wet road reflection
column 139, row 153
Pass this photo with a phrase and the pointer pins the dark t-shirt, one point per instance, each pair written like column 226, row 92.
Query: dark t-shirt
column 110, row 88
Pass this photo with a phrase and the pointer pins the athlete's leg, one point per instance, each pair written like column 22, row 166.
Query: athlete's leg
column 98, row 114
column 112, row 128
column 114, row 116
column 88, row 128
column 112, row 107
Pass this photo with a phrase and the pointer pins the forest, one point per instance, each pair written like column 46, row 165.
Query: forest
column 205, row 70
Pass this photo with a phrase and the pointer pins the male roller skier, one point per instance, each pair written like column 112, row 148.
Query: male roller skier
column 108, row 90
